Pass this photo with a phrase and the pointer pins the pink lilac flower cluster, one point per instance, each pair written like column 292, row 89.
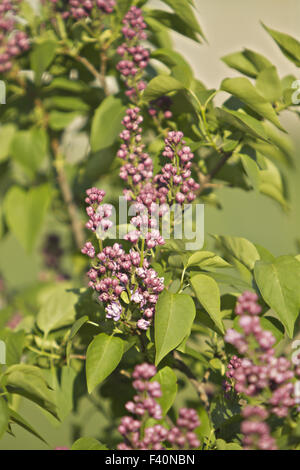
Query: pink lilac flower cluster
column 143, row 406
column 174, row 184
column 78, row 9
column 98, row 214
column 146, row 226
column 115, row 271
column 259, row 371
column 135, row 57
column 247, row 303
column 138, row 168
column 175, row 181
column 13, row 42
column 256, row 432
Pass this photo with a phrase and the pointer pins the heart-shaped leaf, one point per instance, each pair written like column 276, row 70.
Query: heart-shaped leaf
column 174, row 317
column 103, row 355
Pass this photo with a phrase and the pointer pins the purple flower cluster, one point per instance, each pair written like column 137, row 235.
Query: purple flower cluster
column 98, row 214
column 138, row 168
column 115, row 271
column 146, row 226
column 248, row 309
column 247, row 303
column 259, row 371
column 78, row 9
column 12, row 42
column 143, row 406
column 175, row 181
column 173, row 184
column 135, row 57
column 256, row 431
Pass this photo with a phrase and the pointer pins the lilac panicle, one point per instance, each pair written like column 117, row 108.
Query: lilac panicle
column 115, row 272
column 80, row 9
column 144, row 405
column 13, row 42
column 258, row 373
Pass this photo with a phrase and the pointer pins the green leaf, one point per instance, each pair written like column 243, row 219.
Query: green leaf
column 172, row 21
column 106, row 123
column 278, row 282
column 180, row 68
column 206, row 259
column 67, row 103
column 25, row 212
column 247, row 62
column 74, row 330
column 77, row 325
column 264, row 254
column 29, row 149
column 174, row 317
column 231, row 281
column 168, row 383
column 288, row 45
column 43, row 53
column 243, row 122
column 161, row 85
column 259, row 61
column 14, row 417
column 14, row 341
column 64, row 390
column 88, row 443
column 282, row 142
column 269, row 85
column 239, row 62
column 59, row 120
column 241, row 249
column 7, row 132
column 183, row 9
column 271, row 183
column 103, row 355
column 223, row 445
column 208, row 294
column 57, row 309
column 252, row 170
column 243, row 89
column 4, row 416
column 66, row 84
column 28, row 381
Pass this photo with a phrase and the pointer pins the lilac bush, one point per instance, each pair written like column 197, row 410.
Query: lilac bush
column 172, row 348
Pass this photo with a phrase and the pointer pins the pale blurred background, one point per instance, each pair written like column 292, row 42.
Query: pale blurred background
column 229, row 25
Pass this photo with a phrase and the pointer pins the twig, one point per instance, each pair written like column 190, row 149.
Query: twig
column 67, row 196
column 103, row 58
column 89, row 66
column 205, row 180
column 180, row 365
